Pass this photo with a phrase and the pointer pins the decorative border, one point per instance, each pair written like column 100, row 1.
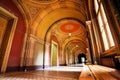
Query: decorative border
column 44, row 1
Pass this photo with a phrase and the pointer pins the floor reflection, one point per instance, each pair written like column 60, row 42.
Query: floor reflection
column 71, row 72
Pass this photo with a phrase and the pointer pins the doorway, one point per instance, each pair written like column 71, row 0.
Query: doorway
column 54, row 51
column 7, row 28
column 81, row 58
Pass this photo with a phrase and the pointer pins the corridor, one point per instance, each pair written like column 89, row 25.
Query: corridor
column 42, row 39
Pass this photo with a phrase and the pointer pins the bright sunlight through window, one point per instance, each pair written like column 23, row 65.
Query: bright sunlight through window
column 104, row 26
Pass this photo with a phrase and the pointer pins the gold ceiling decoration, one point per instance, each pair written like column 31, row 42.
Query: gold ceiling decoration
column 44, row 1
column 69, row 26
column 58, row 18
column 41, row 16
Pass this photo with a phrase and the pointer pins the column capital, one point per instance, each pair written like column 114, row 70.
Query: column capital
column 88, row 22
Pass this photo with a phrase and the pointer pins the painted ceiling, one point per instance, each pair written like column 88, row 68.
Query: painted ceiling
column 57, row 17
column 61, row 30
column 69, row 27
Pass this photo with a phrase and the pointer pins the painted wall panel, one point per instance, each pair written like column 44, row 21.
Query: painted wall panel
column 14, row 57
column 38, row 55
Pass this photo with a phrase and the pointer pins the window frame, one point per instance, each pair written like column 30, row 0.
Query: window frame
column 100, row 12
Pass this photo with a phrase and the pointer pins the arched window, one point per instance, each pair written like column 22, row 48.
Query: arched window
column 103, row 24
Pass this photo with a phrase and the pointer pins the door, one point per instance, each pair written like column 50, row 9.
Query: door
column 54, row 54
column 7, row 28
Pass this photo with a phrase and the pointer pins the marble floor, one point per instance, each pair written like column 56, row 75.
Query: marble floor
column 52, row 73
column 70, row 68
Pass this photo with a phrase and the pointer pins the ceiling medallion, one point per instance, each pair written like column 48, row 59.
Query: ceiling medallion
column 44, row 1
column 69, row 27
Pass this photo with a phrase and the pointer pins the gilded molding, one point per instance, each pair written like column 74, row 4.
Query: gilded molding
column 34, row 11
column 44, row 1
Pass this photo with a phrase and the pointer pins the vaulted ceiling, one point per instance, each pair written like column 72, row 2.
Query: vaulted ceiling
column 63, row 18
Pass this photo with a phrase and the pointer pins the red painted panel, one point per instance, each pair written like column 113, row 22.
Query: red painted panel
column 14, row 57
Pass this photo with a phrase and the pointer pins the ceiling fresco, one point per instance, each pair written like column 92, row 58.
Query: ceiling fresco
column 69, row 27
column 72, row 26
column 59, row 18
column 76, row 41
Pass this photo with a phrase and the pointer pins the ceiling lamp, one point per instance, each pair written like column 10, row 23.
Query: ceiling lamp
column 69, row 34
column 76, row 45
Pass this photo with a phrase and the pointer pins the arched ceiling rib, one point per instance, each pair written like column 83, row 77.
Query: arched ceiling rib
column 63, row 27
column 54, row 16
column 76, row 46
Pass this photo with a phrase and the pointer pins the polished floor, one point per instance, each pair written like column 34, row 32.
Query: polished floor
column 52, row 73
column 72, row 72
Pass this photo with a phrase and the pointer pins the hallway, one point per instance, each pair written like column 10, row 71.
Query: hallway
column 43, row 39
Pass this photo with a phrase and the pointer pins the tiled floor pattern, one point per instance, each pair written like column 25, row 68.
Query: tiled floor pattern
column 47, row 74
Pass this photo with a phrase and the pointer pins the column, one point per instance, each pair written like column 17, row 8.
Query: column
column 92, row 38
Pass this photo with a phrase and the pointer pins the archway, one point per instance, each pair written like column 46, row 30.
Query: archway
column 54, row 53
column 82, row 58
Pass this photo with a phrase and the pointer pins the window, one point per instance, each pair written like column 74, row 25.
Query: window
column 103, row 24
